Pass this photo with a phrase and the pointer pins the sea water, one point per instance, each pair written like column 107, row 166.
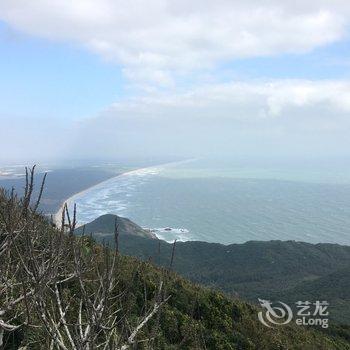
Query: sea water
column 230, row 201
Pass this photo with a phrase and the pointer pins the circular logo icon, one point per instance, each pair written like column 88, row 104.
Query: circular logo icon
column 274, row 315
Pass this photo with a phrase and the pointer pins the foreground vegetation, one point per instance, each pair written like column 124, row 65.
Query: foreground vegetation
column 58, row 291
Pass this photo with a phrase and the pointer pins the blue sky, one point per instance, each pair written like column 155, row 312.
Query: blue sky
column 264, row 77
column 328, row 62
column 66, row 81
column 40, row 78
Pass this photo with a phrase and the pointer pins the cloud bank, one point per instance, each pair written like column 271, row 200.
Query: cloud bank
column 276, row 117
column 160, row 44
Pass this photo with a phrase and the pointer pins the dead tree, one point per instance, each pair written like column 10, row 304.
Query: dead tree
column 100, row 308
column 49, row 278
column 24, row 268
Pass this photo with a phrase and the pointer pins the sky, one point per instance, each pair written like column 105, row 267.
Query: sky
column 110, row 78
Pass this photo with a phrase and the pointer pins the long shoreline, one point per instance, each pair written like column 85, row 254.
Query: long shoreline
column 57, row 217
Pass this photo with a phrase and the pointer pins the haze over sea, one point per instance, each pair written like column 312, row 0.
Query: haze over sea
column 230, row 201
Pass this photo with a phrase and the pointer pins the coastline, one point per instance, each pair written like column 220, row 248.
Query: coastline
column 57, row 217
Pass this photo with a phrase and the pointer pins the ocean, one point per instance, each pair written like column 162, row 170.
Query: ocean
column 229, row 201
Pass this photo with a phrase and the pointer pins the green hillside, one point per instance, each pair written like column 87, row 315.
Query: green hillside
column 334, row 287
column 59, row 291
column 287, row 271
column 281, row 270
column 104, row 226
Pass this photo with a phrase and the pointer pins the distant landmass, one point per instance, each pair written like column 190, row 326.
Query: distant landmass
column 60, row 185
column 279, row 270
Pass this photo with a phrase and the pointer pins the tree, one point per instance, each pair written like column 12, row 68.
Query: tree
column 52, row 280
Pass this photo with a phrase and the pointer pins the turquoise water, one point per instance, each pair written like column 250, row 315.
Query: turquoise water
column 230, row 202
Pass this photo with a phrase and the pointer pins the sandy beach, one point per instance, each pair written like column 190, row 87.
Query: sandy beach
column 57, row 217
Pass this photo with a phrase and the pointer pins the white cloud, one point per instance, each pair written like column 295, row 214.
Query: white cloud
column 153, row 39
column 258, row 117
column 252, row 99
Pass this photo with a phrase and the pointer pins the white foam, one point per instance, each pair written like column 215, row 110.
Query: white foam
column 172, row 230
column 179, row 238
column 164, row 233
column 112, row 195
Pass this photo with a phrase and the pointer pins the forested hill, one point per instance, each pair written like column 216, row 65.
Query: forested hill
column 273, row 269
column 104, row 226
column 277, row 270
